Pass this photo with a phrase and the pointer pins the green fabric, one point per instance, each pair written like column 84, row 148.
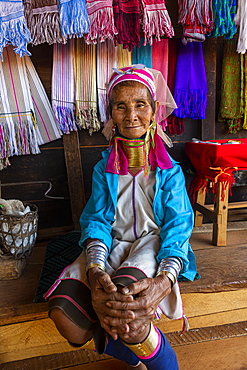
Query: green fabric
column 232, row 88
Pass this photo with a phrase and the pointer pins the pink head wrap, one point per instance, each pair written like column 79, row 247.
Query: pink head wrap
column 137, row 72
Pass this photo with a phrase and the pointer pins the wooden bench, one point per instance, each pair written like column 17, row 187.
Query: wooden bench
column 217, row 213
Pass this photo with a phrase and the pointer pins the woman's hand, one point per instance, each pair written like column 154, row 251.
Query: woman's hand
column 104, row 290
column 148, row 294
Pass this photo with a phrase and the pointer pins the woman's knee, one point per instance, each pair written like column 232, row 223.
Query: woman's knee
column 67, row 328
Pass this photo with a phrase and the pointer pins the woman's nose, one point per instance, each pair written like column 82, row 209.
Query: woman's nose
column 131, row 113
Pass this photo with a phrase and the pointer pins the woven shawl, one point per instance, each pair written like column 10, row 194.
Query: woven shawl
column 86, row 89
column 13, row 27
column 241, row 21
column 127, row 21
column 63, row 86
column 107, row 58
column 142, row 55
column 43, row 21
column 224, row 12
column 47, row 127
column 17, row 120
column 175, row 125
column 156, row 21
column 73, row 17
column 232, row 88
column 190, row 90
column 245, row 94
column 124, row 57
column 196, row 18
column 102, row 27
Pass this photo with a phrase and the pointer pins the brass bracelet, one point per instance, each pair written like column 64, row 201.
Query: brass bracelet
column 169, row 275
column 101, row 267
column 147, row 347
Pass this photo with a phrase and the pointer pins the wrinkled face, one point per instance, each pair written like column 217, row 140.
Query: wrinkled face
column 131, row 109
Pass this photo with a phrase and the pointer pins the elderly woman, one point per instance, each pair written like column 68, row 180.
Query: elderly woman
column 135, row 238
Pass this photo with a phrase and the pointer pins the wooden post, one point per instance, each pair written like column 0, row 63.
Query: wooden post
column 221, row 210
column 208, row 124
column 201, row 197
column 75, row 176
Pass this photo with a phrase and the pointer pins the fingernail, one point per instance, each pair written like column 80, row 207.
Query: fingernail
column 108, row 304
column 126, row 290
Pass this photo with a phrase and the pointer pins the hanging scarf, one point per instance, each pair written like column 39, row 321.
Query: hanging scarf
column 102, row 27
column 190, row 90
column 241, row 21
column 124, row 57
column 13, row 27
column 47, row 128
column 43, row 21
column 245, row 94
column 224, row 12
column 127, row 21
column 17, row 120
column 63, row 86
column 73, row 17
column 142, row 55
column 232, row 88
column 156, row 21
column 86, row 90
column 175, row 125
column 196, row 17
column 160, row 62
column 106, row 60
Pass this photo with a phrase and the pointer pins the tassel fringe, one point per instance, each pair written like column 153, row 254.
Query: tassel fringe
column 101, row 26
column 74, row 18
column 156, row 24
column 87, row 119
column 66, row 119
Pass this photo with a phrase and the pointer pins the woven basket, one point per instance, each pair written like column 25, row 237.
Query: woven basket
column 18, row 234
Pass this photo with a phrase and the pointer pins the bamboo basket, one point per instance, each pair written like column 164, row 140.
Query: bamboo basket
column 18, row 234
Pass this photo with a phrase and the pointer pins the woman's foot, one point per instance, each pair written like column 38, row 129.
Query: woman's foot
column 139, row 367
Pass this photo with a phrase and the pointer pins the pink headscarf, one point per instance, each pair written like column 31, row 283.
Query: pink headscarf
column 137, row 72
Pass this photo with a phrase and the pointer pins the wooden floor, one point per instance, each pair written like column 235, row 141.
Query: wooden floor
column 216, row 306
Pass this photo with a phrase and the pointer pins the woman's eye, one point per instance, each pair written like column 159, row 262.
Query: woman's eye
column 120, row 107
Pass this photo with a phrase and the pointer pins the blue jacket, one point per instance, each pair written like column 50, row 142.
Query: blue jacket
column 171, row 206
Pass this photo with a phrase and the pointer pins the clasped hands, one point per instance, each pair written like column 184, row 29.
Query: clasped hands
column 126, row 311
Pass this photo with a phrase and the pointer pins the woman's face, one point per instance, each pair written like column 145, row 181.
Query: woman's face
column 131, row 109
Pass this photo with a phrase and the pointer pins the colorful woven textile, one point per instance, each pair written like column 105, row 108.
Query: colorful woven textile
column 63, row 86
column 124, row 57
column 86, row 89
column 107, row 58
column 127, row 21
column 102, row 27
column 241, row 21
column 175, row 125
column 73, row 17
column 232, row 88
column 156, row 21
column 142, row 55
column 215, row 163
column 13, row 27
column 47, row 127
column 224, row 12
column 245, row 94
column 17, row 120
column 43, row 21
column 196, row 18
column 190, row 90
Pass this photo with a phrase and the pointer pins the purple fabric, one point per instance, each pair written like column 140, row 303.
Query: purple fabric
column 190, row 90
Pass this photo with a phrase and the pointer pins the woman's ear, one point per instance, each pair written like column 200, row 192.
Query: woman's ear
column 157, row 104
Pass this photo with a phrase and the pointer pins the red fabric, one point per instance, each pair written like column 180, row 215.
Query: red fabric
column 215, row 163
column 127, row 22
column 175, row 125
